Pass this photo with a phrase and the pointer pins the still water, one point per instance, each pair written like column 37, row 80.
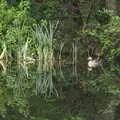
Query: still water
column 59, row 91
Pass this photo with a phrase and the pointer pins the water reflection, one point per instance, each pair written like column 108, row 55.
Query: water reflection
column 22, row 66
column 44, row 79
column 3, row 65
column 59, row 90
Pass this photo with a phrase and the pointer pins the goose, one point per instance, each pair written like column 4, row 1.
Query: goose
column 92, row 63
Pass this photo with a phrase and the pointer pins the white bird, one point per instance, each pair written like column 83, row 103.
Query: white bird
column 92, row 63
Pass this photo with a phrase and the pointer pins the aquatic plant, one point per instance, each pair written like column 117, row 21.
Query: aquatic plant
column 44, row 35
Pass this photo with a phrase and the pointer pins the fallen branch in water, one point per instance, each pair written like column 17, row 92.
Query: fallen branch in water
column 3, row 52
column 3, row 66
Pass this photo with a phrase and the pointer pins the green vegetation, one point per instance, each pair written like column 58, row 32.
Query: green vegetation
column 45, row 39
column 44, row 51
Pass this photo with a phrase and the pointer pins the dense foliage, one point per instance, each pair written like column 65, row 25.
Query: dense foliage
column 43, row 31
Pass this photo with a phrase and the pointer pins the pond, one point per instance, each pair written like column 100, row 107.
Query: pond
column 59, row 91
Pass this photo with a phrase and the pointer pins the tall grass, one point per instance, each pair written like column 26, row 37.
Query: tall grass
column 44, row 35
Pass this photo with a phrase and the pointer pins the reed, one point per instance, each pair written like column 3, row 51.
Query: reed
column 44, row 35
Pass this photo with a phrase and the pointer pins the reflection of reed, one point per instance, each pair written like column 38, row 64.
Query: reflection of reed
column 22, row 82
column 61, row 48
column 24, row 67
column 44, row 80
column 2, row 63
column 60, row 60
column 60, row 70
column 19, row 87
column 74, row 46
column 74, row 60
